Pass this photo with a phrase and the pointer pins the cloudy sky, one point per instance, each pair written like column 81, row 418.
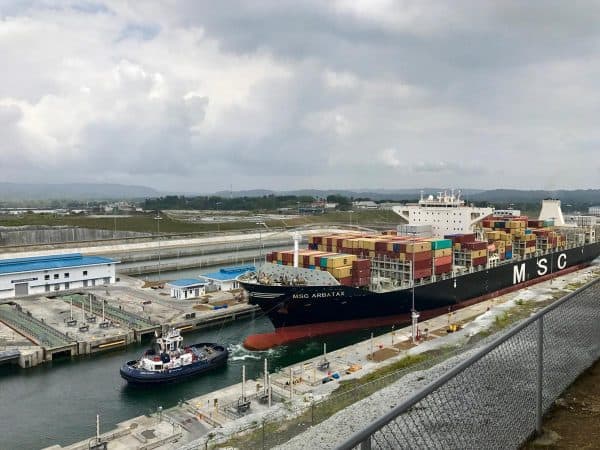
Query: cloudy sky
column 194, row 96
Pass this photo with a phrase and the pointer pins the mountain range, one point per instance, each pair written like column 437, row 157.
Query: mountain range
column 107, row 191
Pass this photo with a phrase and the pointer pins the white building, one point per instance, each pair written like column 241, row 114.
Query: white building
column 594, row 210
column 507, row 212
column 187, row 288
column 365, row 204
column 45, row 274
column 447, row 214
column 226, row 278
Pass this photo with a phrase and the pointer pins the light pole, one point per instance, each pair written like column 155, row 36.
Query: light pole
column 260, row 257
column 552, row 254
column 158, row 219
column 218, row 223
column 414, row 315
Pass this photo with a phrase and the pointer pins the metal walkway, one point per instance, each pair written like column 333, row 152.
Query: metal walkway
column 121, row 316
column 41, row 333
column 9, row 355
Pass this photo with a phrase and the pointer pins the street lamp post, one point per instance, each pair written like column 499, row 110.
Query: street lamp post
column 218, row 222
column 414, row 315
column 158, row 219
column 260, row 257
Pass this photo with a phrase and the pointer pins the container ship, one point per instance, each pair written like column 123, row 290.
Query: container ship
column 447, row 256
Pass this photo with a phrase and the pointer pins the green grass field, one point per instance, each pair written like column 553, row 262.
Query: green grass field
column 147, row 224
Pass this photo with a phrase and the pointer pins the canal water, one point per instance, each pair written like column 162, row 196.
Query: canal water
column 57, row 403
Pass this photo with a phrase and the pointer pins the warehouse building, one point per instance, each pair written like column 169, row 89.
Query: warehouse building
column 226, row 278
column 46, row 274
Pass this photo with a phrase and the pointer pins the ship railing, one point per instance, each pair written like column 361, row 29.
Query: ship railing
column 468, row 406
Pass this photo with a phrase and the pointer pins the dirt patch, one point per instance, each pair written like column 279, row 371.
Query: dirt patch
column 382, row 354
column 574, row 420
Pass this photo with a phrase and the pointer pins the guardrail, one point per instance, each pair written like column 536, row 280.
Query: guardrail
column 496, row 398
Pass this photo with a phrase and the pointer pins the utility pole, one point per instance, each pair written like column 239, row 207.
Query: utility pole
column 158, row 219
column 414, row 315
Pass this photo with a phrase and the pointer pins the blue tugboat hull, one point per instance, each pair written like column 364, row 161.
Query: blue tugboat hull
column 137, row 376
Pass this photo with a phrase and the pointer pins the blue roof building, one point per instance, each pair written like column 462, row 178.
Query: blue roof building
column 226, row 278
column 186, row 282
column 17, row 265
column 43, row 274
column 187, row 288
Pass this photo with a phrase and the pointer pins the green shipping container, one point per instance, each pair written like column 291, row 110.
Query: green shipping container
column 441, row 244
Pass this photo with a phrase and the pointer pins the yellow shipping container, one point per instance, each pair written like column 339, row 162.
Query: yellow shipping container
column 443, row 252
column 340, row 272
column 478, row 253
column 501, row 245
column 415, row 247
column 457, row 246
column 339, row 261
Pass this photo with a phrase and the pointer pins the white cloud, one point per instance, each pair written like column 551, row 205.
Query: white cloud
column 183, row 96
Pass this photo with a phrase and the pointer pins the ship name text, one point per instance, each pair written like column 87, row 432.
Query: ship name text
column 519, row 274
column 318, row 295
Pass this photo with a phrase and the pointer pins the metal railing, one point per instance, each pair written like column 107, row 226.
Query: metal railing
column 496, row 398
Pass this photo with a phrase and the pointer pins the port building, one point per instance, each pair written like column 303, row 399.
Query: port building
column 226, row 278
column 187, row 288
column 52, row 273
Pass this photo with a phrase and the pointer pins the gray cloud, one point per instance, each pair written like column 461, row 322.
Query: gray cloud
column 198, row 95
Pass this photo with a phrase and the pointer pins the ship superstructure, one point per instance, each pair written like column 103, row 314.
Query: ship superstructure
column 446, row 213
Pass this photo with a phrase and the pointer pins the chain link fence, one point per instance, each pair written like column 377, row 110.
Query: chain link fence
column 267, row 432
column 495, row 399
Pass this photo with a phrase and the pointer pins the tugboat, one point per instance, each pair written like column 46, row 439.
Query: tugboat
column 169, row 362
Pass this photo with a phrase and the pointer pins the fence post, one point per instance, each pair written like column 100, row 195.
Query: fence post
column 366, row 444
column 540, row 374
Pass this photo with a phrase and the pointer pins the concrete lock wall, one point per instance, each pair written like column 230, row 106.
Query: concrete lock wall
column 31, row 234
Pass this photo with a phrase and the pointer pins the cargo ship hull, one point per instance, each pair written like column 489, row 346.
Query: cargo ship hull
column 320, row 309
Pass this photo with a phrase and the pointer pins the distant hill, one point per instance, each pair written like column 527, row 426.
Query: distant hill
column 73, row 191
column 591, row 196
column 373, row 194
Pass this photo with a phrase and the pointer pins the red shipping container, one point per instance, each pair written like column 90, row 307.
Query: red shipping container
column 480, row 261
column 442, row 260
column 361, row 273
column 469, row 237
column 269, row 257
column 361, row 264
column 419, row 256
column 424, row 264
column 381, row 246
column 361, row 281
column 475, row 245
column 346, row 281
column 423, row 273
column 443, row 269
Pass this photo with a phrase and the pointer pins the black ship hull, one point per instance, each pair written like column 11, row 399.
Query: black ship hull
column 141, row 377
column 294, row 306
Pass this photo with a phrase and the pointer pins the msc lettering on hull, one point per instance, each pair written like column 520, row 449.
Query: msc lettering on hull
column 519, row 274
column 319, row 295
